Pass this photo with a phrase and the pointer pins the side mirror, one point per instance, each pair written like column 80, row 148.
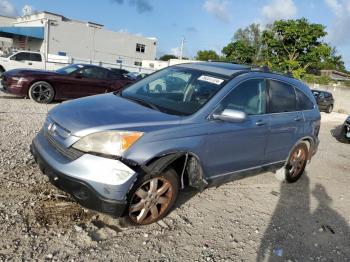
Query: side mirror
column 230, row 115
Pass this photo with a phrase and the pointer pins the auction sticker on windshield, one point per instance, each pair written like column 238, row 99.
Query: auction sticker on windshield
column 210, row 79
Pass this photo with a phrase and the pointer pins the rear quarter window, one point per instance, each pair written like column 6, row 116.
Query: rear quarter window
column 303, row 102
column 35, row 57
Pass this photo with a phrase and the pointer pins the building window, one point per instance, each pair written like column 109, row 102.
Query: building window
column 140, row 48
column 137, row 63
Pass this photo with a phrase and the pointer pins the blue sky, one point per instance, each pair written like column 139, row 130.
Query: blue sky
column 205, row 24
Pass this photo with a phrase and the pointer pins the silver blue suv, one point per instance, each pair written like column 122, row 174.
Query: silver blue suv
column 199, row 124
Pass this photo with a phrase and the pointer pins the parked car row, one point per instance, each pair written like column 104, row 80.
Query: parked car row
column 73, row 81
column 129, row 153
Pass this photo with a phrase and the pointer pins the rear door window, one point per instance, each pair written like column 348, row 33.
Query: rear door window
column 282, row 97
column 35, row 57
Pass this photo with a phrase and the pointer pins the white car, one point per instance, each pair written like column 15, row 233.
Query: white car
column 32, row 60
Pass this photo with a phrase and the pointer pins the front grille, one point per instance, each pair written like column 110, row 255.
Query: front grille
column 70, row 153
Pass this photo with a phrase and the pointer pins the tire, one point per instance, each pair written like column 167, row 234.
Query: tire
column 329, row 109
column 41, row 92
column 296, row 163
column 145, row 206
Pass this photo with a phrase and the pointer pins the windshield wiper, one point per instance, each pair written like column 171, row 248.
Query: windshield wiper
column 144, row 103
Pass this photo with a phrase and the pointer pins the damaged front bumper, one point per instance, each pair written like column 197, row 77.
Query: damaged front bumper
column 95, row 182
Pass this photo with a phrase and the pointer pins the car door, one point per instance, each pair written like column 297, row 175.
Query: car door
column 95, row 80
column 233, row 147
column 117, row 81
column 286, row 123
column 35, row 61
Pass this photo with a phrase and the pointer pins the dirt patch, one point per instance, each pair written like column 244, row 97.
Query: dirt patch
column 61, row 213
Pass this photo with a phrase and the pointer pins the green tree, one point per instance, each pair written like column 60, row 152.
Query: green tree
column 252, row 37
column 239, row 52
column 246, row 46
column 333, row 62
column 167, row 57
column 294, row 45
column 205, row 55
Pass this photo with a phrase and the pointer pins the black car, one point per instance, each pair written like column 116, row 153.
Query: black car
column 324, row 99
column 345, row 133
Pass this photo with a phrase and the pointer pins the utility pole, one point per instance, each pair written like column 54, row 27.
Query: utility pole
column 182, row 47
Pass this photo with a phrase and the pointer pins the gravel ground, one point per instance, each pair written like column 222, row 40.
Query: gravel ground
column 256, row 218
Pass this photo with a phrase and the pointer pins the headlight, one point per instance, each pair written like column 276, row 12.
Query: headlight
column 18, row 79
column 112, row 143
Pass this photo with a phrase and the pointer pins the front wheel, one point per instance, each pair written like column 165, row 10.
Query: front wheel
column 296, row 163
column 42, row 92
column 152, row 197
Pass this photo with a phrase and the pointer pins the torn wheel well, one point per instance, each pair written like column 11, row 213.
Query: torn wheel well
column 186, row 165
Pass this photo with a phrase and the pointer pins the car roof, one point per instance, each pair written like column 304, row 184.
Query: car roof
column 227, row 69
column 231, row 70
column 90, row 65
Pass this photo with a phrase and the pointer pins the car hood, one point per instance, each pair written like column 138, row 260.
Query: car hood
column 107, row 112
column 24, row 72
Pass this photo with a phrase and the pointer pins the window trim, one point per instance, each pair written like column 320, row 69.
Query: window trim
column 294, row 86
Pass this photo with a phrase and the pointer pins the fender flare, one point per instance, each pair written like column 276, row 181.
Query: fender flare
column 190, row 166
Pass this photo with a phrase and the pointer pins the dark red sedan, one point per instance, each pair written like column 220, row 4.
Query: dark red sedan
column 73, row 81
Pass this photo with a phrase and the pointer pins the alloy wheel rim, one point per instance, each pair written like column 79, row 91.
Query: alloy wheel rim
column 297, row 162
column 150, row 201
column 41, row 93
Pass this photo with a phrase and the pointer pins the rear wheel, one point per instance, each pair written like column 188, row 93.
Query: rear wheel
column 296, row 163
column 329, row 109
column 42, row 92
column 152, row 197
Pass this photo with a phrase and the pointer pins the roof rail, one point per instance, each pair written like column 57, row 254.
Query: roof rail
column 264, row 68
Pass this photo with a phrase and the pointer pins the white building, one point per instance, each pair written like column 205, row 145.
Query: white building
column 6, row 42
column 82, row 41
column 158, row 64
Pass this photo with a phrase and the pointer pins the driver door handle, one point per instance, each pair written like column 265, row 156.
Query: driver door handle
column 298, row 118
column 260, row 123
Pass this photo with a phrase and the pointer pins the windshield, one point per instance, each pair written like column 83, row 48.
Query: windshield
column 68, row 69
column 175, row 90
column 8, row 55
